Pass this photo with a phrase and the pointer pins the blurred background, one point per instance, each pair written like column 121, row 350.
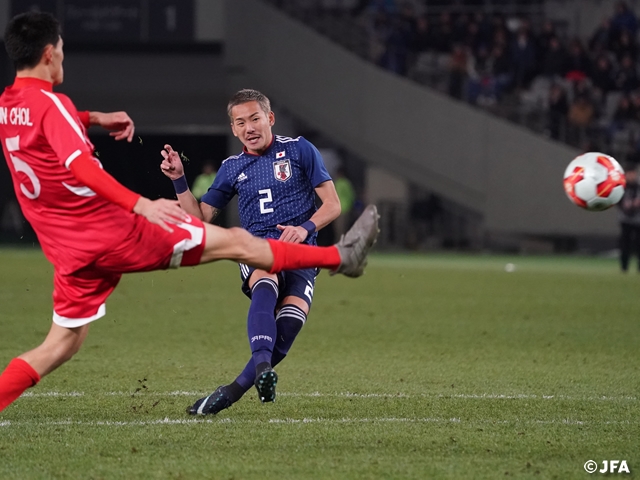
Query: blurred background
column 457, row 118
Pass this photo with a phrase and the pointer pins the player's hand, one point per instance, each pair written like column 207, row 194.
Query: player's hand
column 171, row 166
column 119, row 122
column 291, row 234
column 160, row 212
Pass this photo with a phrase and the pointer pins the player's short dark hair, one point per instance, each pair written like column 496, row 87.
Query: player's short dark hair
column 27, row 35
column 249, row 95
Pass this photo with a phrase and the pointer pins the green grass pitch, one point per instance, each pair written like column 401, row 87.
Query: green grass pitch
column 427, row 367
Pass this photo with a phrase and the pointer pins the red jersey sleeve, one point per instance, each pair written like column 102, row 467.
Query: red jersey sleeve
column 84, row 118
column 62, row 130
column 88, row 172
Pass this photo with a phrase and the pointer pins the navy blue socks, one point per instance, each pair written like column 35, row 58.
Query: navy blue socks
column 261, row 325
column 288, row 323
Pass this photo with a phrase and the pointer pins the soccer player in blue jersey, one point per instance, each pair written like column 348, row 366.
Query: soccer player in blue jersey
column 276, row 179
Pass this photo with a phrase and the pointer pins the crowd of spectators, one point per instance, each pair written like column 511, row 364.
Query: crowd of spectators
column 585, row 92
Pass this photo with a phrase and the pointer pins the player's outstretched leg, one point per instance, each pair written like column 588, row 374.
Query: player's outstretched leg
column 348, row 256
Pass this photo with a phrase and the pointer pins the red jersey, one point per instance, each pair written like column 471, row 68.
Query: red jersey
column 41, row 136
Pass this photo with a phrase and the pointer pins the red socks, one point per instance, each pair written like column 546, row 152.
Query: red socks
column 17, row 377
column 292, row 256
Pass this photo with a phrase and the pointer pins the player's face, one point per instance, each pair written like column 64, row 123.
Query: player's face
column 252, row 126
column 57, row 57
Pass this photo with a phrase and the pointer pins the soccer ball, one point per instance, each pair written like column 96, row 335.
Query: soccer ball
column 594, row 181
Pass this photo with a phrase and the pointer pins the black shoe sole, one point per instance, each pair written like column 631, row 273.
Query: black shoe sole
column 266, row 386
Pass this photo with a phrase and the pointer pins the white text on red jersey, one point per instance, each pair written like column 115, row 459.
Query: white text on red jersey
column 16, row 116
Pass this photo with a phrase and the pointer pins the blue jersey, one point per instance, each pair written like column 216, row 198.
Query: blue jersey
column 275, row 188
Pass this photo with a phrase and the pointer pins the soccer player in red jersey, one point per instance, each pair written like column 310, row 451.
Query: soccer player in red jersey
column 93, row 229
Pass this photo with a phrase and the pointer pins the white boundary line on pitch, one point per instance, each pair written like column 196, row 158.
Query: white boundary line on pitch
column 296, row 421
column 483, row 396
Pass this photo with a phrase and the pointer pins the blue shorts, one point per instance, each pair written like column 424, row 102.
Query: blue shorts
column 296, row 283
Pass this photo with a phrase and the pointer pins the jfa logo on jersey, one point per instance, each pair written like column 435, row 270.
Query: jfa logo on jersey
column 282, row 170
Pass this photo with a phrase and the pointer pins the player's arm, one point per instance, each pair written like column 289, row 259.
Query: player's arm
column 119, row 123
column 172, row 167
column 74, row 153
column 327, row 213
column 88, row 172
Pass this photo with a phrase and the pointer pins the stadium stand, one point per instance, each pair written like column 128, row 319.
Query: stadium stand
column 504, row 57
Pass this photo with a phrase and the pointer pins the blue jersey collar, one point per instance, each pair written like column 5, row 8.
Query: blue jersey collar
column 273, row 140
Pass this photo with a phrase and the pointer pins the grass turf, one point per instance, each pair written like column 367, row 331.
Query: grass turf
column 427, row 367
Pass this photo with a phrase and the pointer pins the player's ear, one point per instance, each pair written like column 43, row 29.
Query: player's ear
column 47, row 54
column 272, row 118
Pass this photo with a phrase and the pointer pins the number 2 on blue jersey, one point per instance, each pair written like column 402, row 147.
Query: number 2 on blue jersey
column 267, row 199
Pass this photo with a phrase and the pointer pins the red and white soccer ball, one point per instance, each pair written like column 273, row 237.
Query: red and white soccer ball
column 594, row 181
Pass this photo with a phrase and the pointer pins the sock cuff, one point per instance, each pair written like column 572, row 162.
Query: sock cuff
column 24, row 367
column 292, row 311
column 265, row 283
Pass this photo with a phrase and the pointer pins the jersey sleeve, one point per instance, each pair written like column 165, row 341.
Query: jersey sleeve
column 87, row 171
column 221, row 192
column 62, row 131
column 84, row 118
column 311, row 162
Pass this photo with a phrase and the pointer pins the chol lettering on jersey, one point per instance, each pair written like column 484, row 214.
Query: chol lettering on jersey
column 15, row 116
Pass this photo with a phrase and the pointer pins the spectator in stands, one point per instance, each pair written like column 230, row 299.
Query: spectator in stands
column 624, row 114
column 396, row 54
column 379, row 29
column 603, row 77
column 624, row 19
column 423, row 38
column 627, row 76
column 629, row 216
column 472, row 38
column 578, row 62
column 633, row 158
column 502, row 70
column 579, row 119
column 557, row 111
column 444, row 34
column 481, row 84
column 499, row 30
column 624, row 45
column 543, row 40
column 524, row 58
column 601, row 39
column 458, row 67
column 555, row 61
column 501, row 37
column 485, row 30
column 460, row 28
